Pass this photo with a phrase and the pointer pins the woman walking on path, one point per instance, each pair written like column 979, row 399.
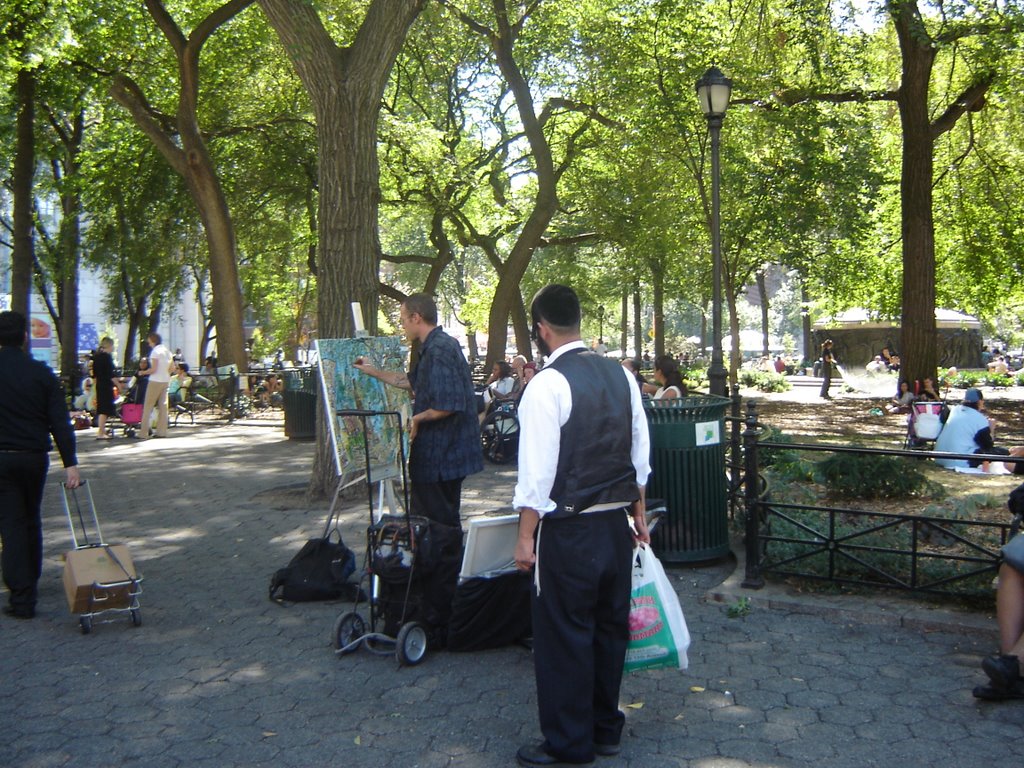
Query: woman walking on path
column 103, row 384
column 826, row 368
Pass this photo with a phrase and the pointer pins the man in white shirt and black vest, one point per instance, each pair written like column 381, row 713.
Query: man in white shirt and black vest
column 583, row 464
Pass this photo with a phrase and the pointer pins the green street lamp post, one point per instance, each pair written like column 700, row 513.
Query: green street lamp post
column 713, row 91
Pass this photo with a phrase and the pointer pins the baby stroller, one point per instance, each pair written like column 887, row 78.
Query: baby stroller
column 130, row 409
column 924, row 423
column 403, row 555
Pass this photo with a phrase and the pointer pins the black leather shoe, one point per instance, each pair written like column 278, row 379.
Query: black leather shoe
column 1003, row 671
column 995, row 693
column 530, row 755
column 20, row 613
column 607, row 750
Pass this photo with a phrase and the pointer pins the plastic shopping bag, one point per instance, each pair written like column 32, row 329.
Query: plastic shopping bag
column 658, row 636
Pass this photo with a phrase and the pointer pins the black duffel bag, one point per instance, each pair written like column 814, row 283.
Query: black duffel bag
column 319, row 571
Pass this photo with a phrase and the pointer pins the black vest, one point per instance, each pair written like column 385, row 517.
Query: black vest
column 594, row 458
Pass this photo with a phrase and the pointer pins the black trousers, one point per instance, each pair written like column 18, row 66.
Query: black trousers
column 22, row 479
column 995, row 450
column 441, row 503
column 580, row 630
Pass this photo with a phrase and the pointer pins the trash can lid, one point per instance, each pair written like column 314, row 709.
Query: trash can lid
column 693, row 408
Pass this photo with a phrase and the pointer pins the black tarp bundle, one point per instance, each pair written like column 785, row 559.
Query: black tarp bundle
column 490, row 612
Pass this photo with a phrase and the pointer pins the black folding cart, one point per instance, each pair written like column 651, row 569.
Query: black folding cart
column 396, row 552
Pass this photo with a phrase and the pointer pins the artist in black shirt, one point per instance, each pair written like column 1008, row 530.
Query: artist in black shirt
column 32, row 407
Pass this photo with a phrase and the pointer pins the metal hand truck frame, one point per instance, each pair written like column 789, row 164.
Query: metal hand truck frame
column 401, row 534
column 118, row 596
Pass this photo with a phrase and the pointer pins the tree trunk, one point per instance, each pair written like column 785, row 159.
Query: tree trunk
column 918, row 350
column 70, row 248
column 658, row 300
column 734, row 352
column 345, row 87
column 919, row 340
column 205, row 188
column 23, row 254
column 68, row 293
column 187, row 154
column 521, row 328
column 805, row 323
column 638, row 331
column 624, row 326
column 762, row 291
column 545, row 201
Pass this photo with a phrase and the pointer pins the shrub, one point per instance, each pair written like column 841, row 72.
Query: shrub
column 764, row 381
column 999, row 380
column 872, row 476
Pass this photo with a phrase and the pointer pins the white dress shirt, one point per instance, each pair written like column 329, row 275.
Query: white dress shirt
column 543, row 410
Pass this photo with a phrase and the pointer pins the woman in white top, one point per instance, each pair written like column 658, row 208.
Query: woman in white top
column 499, row 386
column 670, row 381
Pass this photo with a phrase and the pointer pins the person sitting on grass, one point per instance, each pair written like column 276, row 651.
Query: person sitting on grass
column 877, row 366
column 927, row 391
column 903, row 400
column 968, row 430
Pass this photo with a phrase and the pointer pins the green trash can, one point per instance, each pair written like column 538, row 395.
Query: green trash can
column 299, row 400
column 688, row 472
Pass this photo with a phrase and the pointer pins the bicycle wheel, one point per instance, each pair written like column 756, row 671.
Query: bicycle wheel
column 499, row 437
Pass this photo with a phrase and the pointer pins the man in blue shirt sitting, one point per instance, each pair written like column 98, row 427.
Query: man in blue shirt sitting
column 968, row 430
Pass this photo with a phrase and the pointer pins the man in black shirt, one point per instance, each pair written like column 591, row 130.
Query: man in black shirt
column 32, row 407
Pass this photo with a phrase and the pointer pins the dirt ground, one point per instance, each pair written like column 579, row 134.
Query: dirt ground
column 801, row 414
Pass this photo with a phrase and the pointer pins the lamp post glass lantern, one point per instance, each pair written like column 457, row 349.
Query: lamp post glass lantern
column 713, row 92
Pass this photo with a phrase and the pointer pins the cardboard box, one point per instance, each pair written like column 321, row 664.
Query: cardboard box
column 84, row 568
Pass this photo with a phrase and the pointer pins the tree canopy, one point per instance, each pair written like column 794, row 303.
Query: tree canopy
column 342, row 151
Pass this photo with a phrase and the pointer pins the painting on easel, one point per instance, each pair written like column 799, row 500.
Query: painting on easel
column 346, row 388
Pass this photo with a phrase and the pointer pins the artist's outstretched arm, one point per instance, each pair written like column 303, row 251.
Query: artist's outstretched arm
column 391, row 378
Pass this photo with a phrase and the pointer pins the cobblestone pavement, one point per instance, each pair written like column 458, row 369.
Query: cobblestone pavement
column 218, row 675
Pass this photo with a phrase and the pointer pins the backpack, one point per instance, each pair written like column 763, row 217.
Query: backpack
column 319, row 571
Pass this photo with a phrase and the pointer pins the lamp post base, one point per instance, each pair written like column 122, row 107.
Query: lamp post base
column 717, row 378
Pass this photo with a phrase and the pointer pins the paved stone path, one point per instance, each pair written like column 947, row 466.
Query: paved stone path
column 220, row 676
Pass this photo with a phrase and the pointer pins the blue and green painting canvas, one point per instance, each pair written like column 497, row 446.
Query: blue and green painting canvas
column 351, row 389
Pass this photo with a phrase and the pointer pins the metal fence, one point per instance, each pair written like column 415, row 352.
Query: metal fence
column 919, row 553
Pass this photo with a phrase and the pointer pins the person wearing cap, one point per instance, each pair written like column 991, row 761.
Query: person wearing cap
column 32, row 408
column 583, row 464
column 967, row 430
